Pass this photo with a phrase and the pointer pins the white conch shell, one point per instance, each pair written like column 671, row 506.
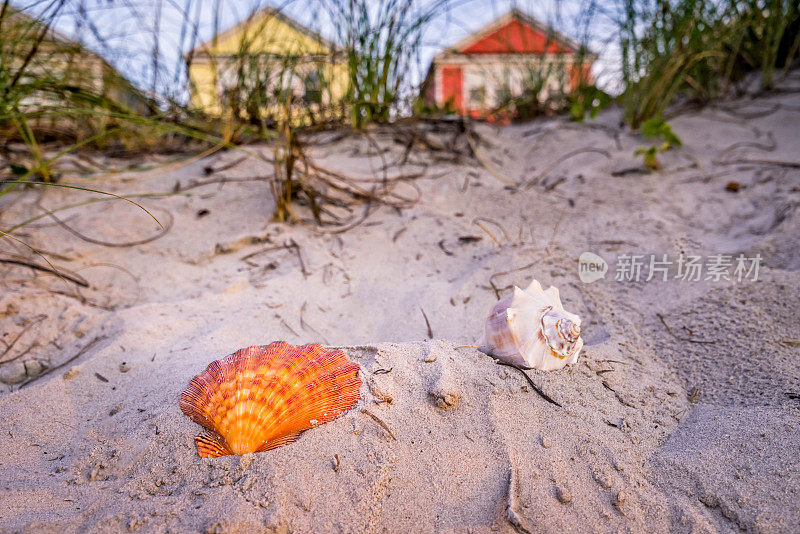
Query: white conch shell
column 531, row 329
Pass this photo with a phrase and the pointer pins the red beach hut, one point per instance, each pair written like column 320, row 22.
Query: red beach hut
column 514, row 56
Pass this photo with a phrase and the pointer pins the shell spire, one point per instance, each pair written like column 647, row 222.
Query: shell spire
column 531, row 329
column 262, row 397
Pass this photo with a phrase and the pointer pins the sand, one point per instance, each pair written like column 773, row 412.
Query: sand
column 680, row 415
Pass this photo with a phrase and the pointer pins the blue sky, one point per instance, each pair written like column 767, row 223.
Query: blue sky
column 124, row 31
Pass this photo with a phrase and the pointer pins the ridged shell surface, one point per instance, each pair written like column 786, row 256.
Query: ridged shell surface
column 531, row 329
column 263, row 397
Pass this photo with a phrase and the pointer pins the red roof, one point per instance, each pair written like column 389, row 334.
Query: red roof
column 517, row 37
column 515, row 33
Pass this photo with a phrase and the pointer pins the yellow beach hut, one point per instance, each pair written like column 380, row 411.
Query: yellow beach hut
column 252, row 69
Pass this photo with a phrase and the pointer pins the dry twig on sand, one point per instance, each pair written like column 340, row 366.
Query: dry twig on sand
column 495, row 275
column 441, row 246
column 769, row 162
column 617, row 395
column 160, row 233
column 673, row 334
column 536, row 388
column 478, row 220
column 427, row 324
column 731, row 110
column 307, row 327
column 77, row 355
column 380, row 422
column 66, row 275
column 492, row 170
column 208, row 169
column 328, row 194
column 555, row 231
column 292, row 330
column 246, row 258
column 720, row 159
column 561, row 160
column 10, row 346
column 294, row 246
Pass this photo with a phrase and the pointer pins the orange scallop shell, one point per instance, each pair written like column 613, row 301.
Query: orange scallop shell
column 263, row 397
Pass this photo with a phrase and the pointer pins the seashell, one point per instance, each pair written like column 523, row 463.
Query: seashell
column 531, row 329
column 263, row 397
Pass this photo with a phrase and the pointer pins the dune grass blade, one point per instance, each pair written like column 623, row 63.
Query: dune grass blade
column 35, row 251
column 67, row 186
column 381, row 40
column 695, row 50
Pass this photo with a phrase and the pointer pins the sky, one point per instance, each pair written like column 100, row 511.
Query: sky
column 128, row 32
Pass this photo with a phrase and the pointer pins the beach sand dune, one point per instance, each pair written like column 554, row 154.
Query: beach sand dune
column 680, row 415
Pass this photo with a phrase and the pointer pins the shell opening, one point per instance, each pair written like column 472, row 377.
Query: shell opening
column 560, row 331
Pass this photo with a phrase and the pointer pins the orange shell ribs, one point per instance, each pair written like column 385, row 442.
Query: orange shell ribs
column 263, row 397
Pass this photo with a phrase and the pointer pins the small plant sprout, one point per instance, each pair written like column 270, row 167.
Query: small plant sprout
column 655, row 129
